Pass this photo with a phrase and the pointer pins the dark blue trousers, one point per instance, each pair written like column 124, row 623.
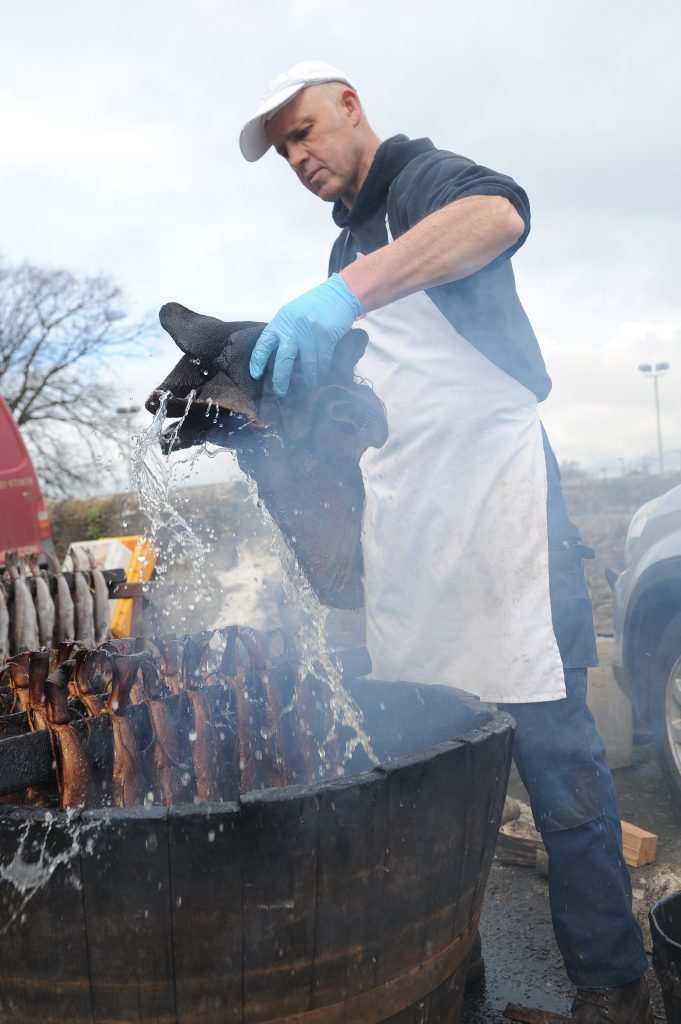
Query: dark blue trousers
column 561, row 760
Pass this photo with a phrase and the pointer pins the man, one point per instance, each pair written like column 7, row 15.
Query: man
column 459, row 549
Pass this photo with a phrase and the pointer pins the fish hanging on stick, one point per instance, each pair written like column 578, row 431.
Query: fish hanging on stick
column 76, row 775
column 129, row 780
column 101, row 602
column 4, row 624
column 84, row 604
column 65, row 628
column 25, row 636
column 44, row 604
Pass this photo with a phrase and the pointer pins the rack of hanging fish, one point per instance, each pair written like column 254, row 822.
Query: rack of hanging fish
column 41, row 608
column 140, row 721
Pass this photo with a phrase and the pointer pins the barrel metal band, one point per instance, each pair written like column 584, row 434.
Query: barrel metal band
column 396, row 994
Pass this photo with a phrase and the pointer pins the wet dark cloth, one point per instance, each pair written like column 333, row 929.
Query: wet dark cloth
column 562, row 762
column 410, row 179
column 303, row 451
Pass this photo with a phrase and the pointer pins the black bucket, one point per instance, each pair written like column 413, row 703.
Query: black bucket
column 665, row 927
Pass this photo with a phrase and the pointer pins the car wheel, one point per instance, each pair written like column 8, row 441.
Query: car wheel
column 666, row 705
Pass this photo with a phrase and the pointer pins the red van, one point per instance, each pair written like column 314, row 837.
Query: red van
column 24, row 523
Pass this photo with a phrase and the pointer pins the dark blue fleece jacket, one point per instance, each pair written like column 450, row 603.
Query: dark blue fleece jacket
column 410, row 179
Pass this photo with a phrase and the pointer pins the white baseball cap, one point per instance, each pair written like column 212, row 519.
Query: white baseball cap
column 253, row 140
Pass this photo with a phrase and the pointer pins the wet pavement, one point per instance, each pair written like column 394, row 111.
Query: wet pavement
column 522, row 961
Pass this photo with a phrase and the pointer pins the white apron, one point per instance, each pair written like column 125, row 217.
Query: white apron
column 454, row 535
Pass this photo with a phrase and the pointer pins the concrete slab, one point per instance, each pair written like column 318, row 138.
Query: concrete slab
column 611, row 709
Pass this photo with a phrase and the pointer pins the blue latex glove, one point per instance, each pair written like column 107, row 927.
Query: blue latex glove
column 310, row 326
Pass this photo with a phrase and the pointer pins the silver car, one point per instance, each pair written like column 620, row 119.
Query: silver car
column 647, row 624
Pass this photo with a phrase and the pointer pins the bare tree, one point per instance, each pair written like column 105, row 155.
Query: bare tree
column 58, row 333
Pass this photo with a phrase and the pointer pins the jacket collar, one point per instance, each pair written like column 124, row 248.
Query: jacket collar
column 391, row 157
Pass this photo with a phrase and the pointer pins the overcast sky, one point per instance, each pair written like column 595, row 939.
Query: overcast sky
column 119, row 155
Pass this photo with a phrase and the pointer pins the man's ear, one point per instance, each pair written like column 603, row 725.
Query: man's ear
column 348, row 100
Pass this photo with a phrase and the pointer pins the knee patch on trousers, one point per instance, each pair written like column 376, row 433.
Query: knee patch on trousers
column 562, row 800
column 561, row 758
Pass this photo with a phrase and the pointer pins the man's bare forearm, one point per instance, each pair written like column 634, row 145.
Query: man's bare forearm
column 449, row 244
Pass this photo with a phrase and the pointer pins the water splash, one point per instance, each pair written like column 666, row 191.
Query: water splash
column 177, row 546
column 316, row 660
column 153, row 475
column 33, row 863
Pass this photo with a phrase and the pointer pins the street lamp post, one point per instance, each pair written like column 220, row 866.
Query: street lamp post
column 658, row 370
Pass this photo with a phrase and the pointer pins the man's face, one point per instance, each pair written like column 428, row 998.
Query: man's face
column 316, row 134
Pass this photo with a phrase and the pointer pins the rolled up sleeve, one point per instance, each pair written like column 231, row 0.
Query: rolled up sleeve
column 435, row 179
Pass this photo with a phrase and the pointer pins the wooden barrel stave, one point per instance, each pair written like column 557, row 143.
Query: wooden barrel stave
column 43, row 947
column 127, row 899
column 353, row 822
column 205, row 868
column 491, row 751
column 278, row 900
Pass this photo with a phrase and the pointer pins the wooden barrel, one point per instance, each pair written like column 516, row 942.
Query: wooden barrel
column 351, row 901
